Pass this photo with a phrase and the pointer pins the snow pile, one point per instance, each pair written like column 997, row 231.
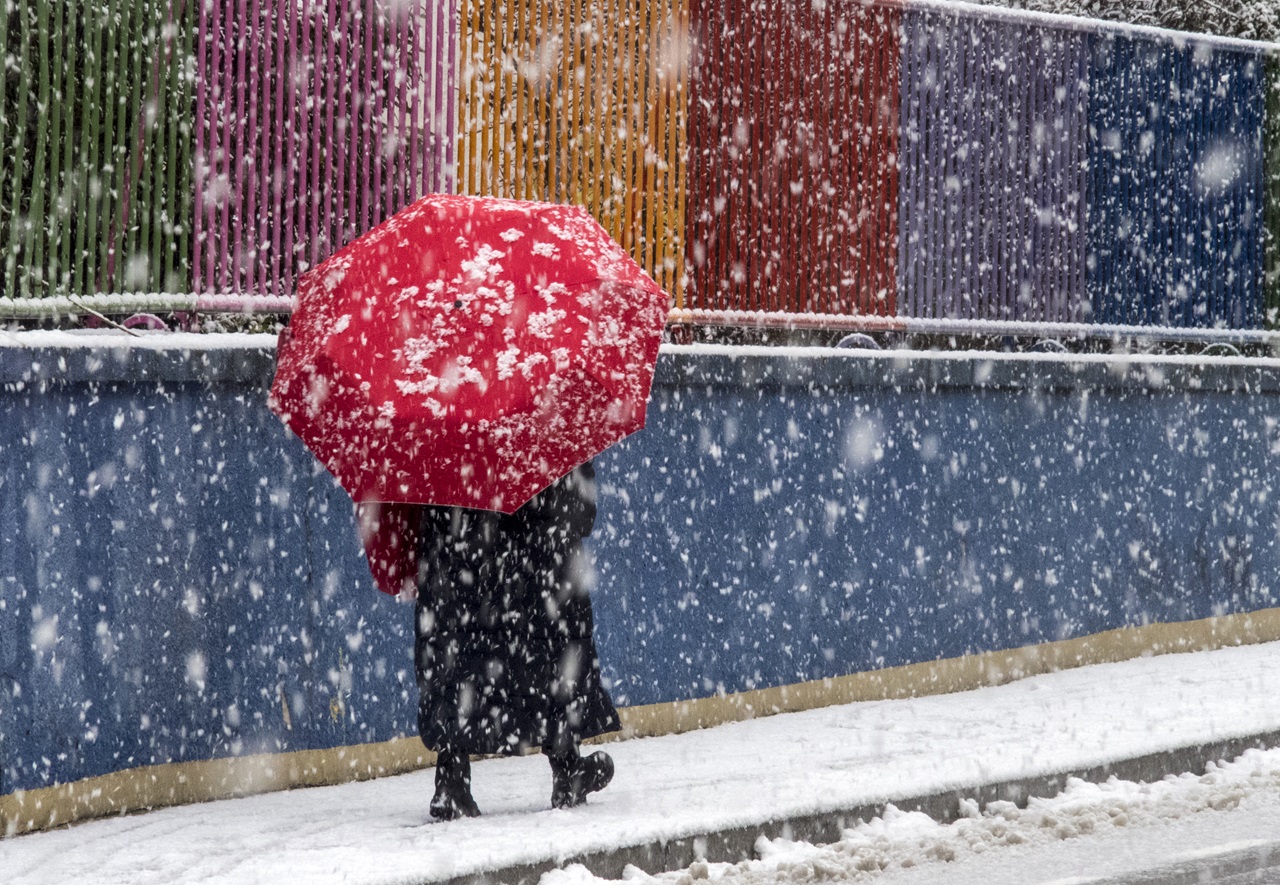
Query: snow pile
column 903, row 840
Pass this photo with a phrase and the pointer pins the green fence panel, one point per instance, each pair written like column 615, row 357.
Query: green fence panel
column 96, row 160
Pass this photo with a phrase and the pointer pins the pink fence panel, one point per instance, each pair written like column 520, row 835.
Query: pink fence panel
column 314, row 122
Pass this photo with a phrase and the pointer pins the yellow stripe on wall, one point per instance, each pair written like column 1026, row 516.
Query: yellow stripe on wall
column 157, row 786
column 583, row 102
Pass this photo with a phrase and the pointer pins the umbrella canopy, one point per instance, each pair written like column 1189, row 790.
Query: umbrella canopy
column 469, row 351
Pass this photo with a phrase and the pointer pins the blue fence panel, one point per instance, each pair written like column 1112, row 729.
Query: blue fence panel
column 1176, row 196
column 992, row 181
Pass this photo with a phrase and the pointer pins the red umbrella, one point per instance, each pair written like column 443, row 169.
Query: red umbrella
column 469, row 351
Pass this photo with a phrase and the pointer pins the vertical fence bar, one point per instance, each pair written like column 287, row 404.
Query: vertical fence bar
column 384, row 180
column 398, row 192
column 10, row 169
column 354, row 99
column 255, row 194
column 223, row 167
column 423, row 66
column 452, row 94
column 380, row 129
column 317, row 68
column 151, row 160
column 89, row 179
column 37, row 225
column 129, row 128
column 137, row 193
column 275, row 154
column 181, row 180
column 241, row 38
column 677, row 178
column 60, row 230
column 613, row 123
column 304, row 142
column 343, row 156
column 200, row 221
column 1271, row 142
column 320, row 129
column 291, row 148
column 433, row 59
column 366, row 136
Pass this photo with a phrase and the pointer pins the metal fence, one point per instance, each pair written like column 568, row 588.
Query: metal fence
column 793, row 135
column 214, row 147
column 1271, row 141
column 1176, row 196
column 1046, row 170
column 843, row 162
column 992, row 177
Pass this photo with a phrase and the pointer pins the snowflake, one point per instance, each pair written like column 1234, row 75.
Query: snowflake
column 485, row 263
column 542, row 325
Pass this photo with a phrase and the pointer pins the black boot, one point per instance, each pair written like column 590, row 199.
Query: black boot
column 453, row 787
column 573, row 777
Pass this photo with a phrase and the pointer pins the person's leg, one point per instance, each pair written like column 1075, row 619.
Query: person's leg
column 453, row 787
column 573, row 776
column 437, row 636
column 580, row 707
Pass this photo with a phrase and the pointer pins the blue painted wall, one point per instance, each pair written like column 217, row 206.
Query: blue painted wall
column 785, row 532
column 175, row 571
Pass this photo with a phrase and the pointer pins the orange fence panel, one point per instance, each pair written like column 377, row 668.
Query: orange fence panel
column 583, row 102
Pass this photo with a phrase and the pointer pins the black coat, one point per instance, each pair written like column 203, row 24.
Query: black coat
column 505, row 655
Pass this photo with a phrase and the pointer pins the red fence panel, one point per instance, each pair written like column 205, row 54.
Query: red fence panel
column 793, row 143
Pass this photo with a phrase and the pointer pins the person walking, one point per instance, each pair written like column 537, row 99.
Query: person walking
column 504, row 652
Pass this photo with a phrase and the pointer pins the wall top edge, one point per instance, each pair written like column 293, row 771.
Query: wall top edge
column 67, row 359
column 827, row 369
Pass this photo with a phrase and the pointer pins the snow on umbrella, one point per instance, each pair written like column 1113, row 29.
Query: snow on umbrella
column 469, row 351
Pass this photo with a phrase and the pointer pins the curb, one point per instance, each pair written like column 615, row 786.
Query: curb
column 738, row 843
column 1254, row 865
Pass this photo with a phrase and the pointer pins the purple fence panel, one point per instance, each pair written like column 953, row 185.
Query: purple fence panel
column 315, row 122
column 992, row 180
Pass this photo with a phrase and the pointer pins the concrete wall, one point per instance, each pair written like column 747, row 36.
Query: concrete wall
column 179, row 581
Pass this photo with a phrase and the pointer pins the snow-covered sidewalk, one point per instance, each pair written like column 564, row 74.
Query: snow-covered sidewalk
column 683, row 786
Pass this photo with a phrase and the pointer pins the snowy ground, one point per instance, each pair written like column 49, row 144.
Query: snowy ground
column 745, row 773
column 1087, row 833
